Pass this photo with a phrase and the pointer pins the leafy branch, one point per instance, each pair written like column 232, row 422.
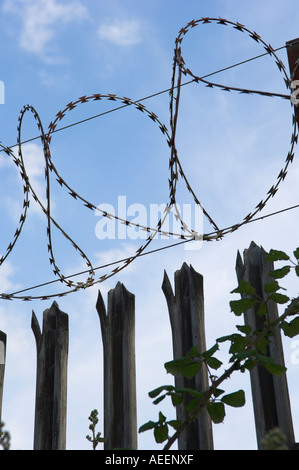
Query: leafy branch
column 96, row 437
column 4, row 438
column 248, row 349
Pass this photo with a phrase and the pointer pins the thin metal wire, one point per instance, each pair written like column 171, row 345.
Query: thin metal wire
column 180, row 69
column 167, row 90
column 176, row 170
column 173, row 245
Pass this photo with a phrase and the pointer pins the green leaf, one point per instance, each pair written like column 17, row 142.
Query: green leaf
column 291, row 329
column 296, row 253
column 241, row 306
column 218, row 392
column 271, row 287
column 192, row 404
column 154, row 393
column 244, row 287
column 161, row 433
column 241, row 355
column 280, row 273
column 176, row 399
column 191, row 369
column 162, row 418
column 176, row 366
column 225, row 338
column 277, row 255
column 270, row 365
column 293, row 308
column 279, row 298
column 216, row 412
column 262, row 345
column 297, row 270
column 210, row 351
column 239, row 342
column 193, row 352
column 250, row 364
column 185, row 366
column 175, row 423
column 155, row 402
column 275, row 369
column 182, row 367
column 246, row 329
column 262, row 309
column 147, row 426
column 236, row 399
column 213, row 362
column 190, row 391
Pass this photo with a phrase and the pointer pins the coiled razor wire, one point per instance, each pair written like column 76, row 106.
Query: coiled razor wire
column 176, row 170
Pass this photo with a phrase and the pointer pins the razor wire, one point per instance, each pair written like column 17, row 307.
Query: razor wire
column 146, row 253
column 175, row 167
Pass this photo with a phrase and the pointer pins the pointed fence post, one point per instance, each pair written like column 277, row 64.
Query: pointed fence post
column 186, row 312
column 118, row 336
column 51, row 379
column 293, row 58
column 270, row 394
column 2, row 366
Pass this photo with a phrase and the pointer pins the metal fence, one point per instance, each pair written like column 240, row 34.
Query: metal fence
column 185, row 303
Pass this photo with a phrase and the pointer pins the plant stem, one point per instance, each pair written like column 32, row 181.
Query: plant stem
column 203, row 402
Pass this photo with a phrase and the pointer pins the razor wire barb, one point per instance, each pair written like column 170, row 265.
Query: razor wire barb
column 156, row 250
column 175, row 167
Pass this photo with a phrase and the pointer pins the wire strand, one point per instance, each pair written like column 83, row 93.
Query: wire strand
column 179, row 62
column 144, row 254
column 167, row 90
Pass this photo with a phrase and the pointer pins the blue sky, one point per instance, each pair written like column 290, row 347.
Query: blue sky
column 231, row 146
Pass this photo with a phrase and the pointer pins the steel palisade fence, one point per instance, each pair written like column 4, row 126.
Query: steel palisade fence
column 270, row 396
column 185, row 303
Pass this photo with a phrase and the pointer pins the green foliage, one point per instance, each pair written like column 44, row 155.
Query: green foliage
column 4, row 438
column 247, row 350
column 280, row 273
column 160, row 427
column 96, row 438
column 189, row 365
column 291, row 328
column 277, row 255
column 216, row 409
column 275, row 440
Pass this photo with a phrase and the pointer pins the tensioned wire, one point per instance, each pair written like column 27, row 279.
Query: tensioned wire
column 144, row 254
column 269, row 50
column 237, row 64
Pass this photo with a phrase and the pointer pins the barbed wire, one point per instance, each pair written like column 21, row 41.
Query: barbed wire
column 167, row 90
column 176, row 170
column 156, row 250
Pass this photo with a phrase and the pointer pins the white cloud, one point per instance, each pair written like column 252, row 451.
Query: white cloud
column 40, row 19
column 5, row 161
column 34, row 165
column 7, row 271
column 121, row 32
